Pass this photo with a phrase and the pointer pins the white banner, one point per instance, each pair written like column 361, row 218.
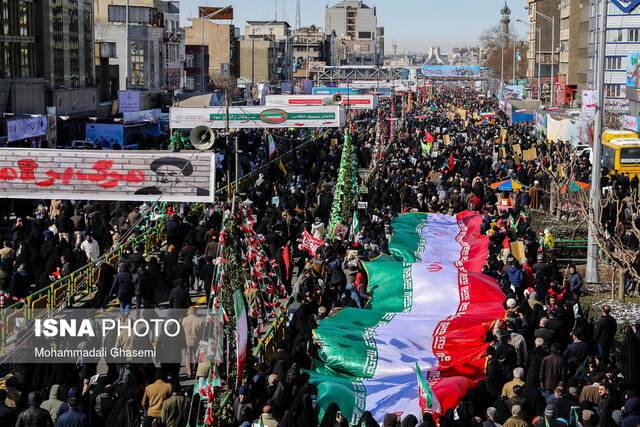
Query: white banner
column 589, row 105
column 631, row 123
column 107, row 175
column 128, row 101
column 358, row 102
column 29, row 127
column 257, row 117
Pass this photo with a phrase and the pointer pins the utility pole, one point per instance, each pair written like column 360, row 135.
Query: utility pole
column 592, row 275
column 127, row 79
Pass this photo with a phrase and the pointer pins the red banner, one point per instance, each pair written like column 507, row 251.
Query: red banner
column 310, row 243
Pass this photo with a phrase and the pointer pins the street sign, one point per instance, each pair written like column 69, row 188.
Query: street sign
column 222, row 12
column 626, row 6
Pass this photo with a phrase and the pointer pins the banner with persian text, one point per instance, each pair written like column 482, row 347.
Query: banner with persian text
column 107, row 175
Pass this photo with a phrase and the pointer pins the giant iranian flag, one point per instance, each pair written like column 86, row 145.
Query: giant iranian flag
column 430, row 308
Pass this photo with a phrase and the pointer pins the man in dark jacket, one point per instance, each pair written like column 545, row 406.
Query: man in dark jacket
column 73, row 417
column 123, row 288
column 34, row 415
column 575, row 282
column 173, row 231
column 180, row 297
column 575, row 353
column 552, row 370
column 605, row 332
column 7, row 414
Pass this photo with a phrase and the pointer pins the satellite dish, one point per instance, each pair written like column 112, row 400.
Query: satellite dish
column 202, row 138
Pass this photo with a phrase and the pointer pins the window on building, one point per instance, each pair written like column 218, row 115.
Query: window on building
column 189, row 61
column 614, row 36
column 25, row 62
column 137, row 63
column 634, row 35
column 564, row 23
column 24, row 23
column 612, row 91
column 190, row 83
column 613, row 63
column 152, row 64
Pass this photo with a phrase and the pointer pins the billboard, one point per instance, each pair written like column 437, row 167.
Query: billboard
column 358, row 102
column 450, row 71
column 589, row 104
column 215, row 12
column 141, row 116
column 316, row 66
column 257, row 117
column 107, row 175
column 105, row 135
column 29, row 127
column 513, row 92
column 334, row 90
column 128, row 101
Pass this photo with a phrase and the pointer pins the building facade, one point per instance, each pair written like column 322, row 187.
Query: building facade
column 152, row 58
column 18, row 39
column 194, row 66
column 622, row 37
column 221, row 43
column 310, row 44
column 574, row 44
column 265, row 51
column 355, row 26
column 542, row 55
column 65, row 48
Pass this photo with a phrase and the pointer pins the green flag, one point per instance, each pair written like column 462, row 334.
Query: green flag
column 426, row 147
column 513, row 223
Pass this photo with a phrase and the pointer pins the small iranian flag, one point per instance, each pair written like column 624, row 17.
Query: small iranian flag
column 524, row 215
column 520, row 111
column 428, row 400
column 607, row 235
column 355, row 231
column 513, row 223
column 487, row 114
column 272, row 147
column 552, row 108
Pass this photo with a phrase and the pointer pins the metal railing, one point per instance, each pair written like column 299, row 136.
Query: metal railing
column 268, row 345
column 63, row 292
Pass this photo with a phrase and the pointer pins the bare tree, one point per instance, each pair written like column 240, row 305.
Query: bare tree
column 618, row 230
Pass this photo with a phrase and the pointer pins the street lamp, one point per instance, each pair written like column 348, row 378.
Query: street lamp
column 551, row 19
column 253, row 51
column 209, row 16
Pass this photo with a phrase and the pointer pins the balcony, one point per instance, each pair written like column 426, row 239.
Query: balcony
column 172, row 37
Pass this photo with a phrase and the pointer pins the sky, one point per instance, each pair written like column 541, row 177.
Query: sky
column 413, row 24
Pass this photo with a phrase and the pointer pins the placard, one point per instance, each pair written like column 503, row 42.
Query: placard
column 363, row 205
column 517, row 149
column 446, row 139
column 517, row 250
column 503, row 135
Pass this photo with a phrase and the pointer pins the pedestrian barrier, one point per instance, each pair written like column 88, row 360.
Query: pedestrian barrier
column 268, row 345
column 63, row 292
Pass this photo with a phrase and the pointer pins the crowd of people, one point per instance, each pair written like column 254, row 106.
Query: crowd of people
column 546, row 366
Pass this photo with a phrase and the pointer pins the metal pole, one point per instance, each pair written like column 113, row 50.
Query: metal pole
column 592, row 274
column 553, row 58
column 253, row 54
column 501, row 61
column 514, row 61
column 539, row 63
column 307, row 78
column 202, row 54
column 128, row 44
